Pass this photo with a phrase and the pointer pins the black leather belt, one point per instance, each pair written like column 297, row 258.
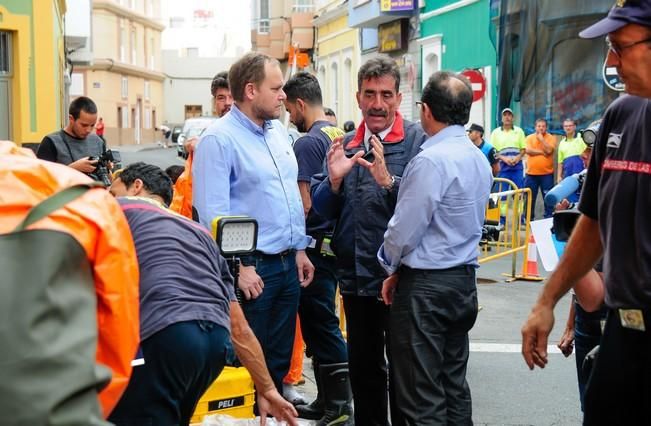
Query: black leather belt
column 459, row 268
column 283, row 253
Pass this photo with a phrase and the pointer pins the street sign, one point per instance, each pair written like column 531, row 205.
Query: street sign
column 612, row 79
column 396, row 5
column 478, row 83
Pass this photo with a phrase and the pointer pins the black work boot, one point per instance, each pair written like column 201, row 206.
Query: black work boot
column 337, row 395
column 315, row 409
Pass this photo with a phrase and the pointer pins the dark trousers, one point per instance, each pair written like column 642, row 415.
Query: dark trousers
column 516, row 176
column 619, row 388
column 367, row 324
column 181, row 362
column 319, row 322
column 431, row 315
column 587, row 335
column 272, row 316
column 544, row 183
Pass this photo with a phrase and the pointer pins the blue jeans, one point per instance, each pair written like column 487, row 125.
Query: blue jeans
column 545, row 183
column 181, row 362
column 272, row 315
column 319, row 322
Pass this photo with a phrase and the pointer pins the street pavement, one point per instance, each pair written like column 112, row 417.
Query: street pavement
column 504, row 391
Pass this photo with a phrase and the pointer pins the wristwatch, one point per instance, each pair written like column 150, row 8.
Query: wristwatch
column 391, row 184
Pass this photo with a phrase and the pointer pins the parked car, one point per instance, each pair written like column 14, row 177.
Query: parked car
column 193, row 127
column 176, row 131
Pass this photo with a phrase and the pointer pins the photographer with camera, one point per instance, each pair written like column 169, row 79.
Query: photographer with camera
column 76, row 145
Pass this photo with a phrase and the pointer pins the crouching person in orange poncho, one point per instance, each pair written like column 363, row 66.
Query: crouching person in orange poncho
column 68, row 294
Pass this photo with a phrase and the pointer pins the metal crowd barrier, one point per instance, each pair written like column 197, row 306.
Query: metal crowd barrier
column 506, row 228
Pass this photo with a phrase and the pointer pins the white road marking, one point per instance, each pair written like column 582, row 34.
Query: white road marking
column 505, row 348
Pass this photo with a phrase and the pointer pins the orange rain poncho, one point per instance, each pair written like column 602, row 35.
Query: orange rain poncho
column 182, row 200
column 96, row 221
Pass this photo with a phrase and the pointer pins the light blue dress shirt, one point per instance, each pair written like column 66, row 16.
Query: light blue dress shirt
column 441, row 206
column 241, row 168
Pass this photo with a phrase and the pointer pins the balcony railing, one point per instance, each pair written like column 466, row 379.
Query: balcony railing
column 304, row 7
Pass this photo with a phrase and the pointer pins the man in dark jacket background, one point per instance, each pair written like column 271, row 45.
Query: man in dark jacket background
column 360, row 192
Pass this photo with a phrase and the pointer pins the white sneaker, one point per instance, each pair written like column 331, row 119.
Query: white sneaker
column 292, row 395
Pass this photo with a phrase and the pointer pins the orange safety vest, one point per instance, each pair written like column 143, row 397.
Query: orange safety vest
column 96, row 221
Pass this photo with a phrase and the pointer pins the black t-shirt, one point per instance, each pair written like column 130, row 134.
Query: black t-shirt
column 617, row 193
column 60, row 147
column 310, row 151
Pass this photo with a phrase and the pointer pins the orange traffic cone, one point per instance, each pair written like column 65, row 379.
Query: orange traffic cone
column 532, row 258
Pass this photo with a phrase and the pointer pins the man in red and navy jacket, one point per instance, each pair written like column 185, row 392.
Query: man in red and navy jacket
column 360, row 191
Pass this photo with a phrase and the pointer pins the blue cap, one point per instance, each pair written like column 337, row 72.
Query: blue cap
column 624, row 12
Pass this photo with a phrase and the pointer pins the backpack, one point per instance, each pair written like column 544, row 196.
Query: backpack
column 48, row 325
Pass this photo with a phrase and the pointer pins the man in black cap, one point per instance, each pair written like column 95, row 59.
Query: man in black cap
column 615, row 206
column 476, row 135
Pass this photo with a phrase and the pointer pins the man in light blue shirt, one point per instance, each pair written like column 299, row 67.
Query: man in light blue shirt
column 245, row 165
column 430, row 252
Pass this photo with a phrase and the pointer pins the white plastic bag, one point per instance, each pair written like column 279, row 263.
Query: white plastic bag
column 224, row 420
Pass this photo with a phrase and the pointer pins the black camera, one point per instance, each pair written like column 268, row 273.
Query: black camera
column 589, row 134
column 102, row 172
column 490, row 231
column 564, row 222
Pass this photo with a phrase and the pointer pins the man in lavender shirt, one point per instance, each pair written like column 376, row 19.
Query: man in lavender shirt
column 430, row 253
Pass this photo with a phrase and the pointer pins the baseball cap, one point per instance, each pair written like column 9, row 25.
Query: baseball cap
column 622, row 13
column 507, row 110
column 476, row 127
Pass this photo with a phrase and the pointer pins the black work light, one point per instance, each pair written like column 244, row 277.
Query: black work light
column 235, row 235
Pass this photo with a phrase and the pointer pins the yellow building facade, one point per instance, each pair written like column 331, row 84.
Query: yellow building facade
column 337, row 61
column 32, row 69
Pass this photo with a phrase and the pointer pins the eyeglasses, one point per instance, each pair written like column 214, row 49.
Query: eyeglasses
column 617, row 50
column 419, row 104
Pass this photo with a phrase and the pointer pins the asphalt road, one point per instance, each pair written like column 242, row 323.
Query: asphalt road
column 159, row 156
column 504, row 391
